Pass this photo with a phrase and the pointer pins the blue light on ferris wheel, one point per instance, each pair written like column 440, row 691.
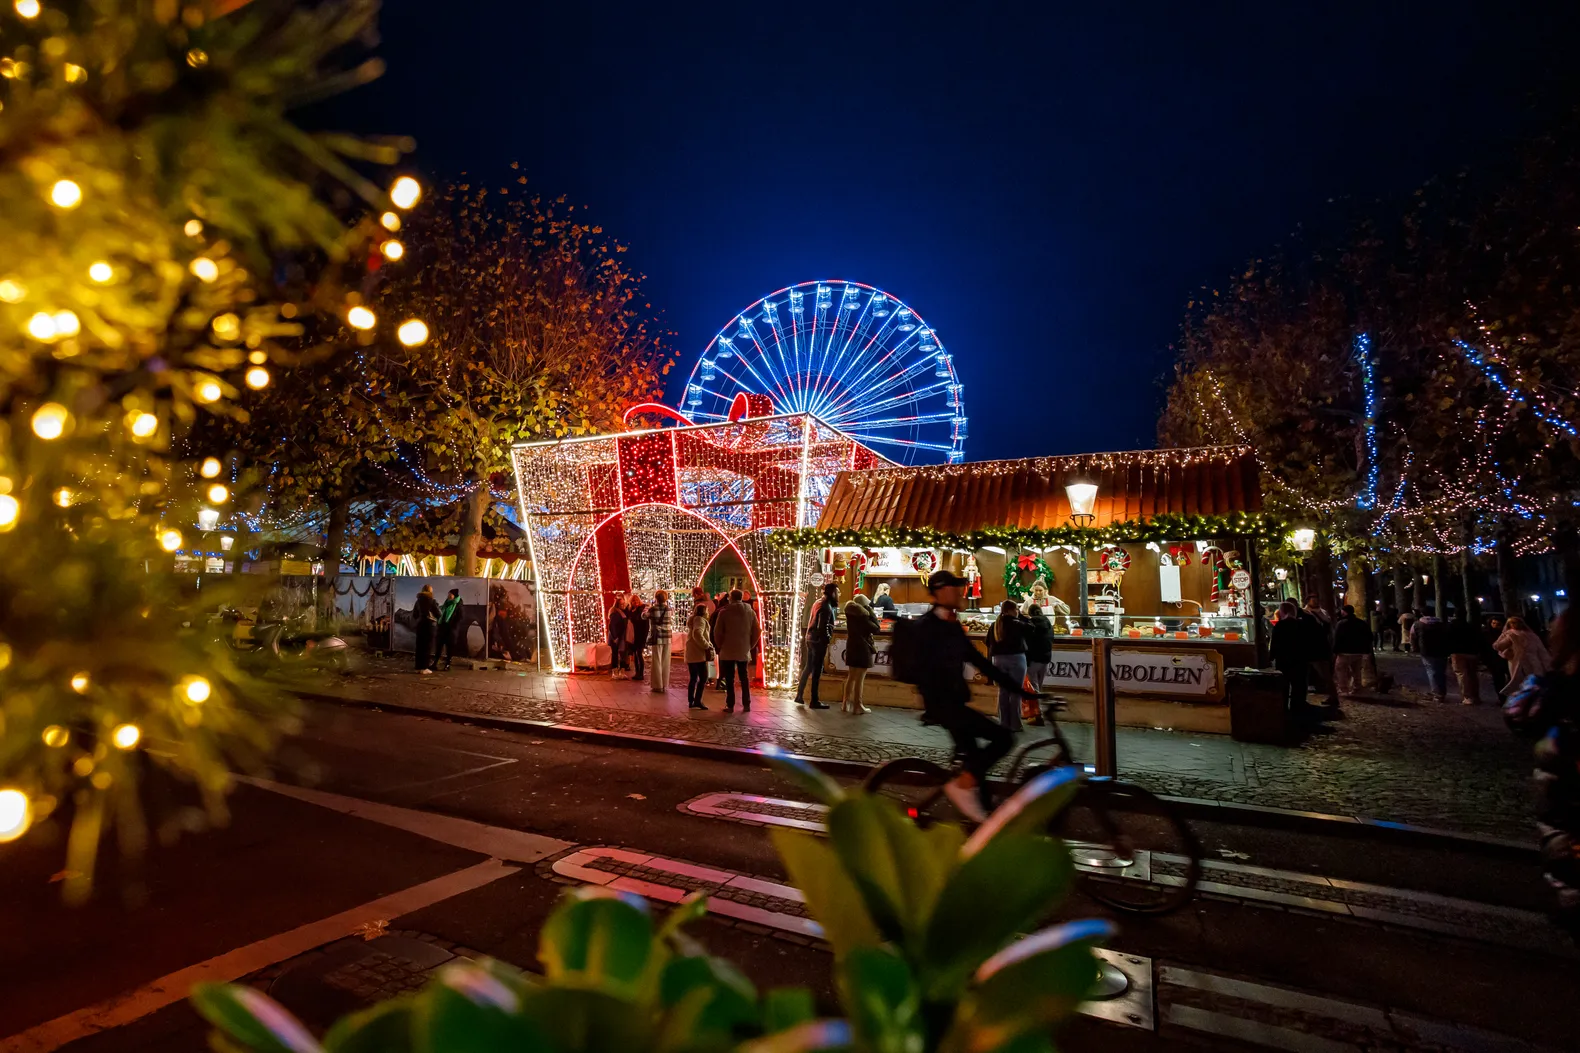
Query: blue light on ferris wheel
column 871, row 368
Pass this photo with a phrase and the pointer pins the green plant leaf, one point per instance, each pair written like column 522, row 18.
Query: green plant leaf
column 1031, row 808
column 252, row 1019
column 996, row 894
column 831, row 895
column 1028, row 988
column 682, row 914
column 573, row 1020
column 787, row 1007
column 882, row 1000
column 710, row 996
column 469, row 1011
column 385, row 1028
column 898, row 867
column 600, row 940
column 802, row 773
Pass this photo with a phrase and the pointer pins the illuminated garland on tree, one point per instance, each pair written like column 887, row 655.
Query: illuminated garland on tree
column 1166, row 527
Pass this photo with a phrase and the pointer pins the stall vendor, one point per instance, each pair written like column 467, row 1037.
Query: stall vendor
column 883, row 603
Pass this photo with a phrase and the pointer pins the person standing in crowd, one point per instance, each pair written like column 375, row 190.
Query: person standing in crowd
column 1547, row 708
column 1429, row 639
column 1464, row 658
column 1497, row 665
column 1319, row 646
column 1388, row 629
column 1006, row 640
column 700, row 595
column 636, row 635
column 735, row 638
column 1406, row 629
column 426, row 614
column 658, row 633
column 699, row 651
column 883, row 603
column 860, row 624
column 449, row 622
column 1352, row 646
column 1524, row 651
column 617, row 629
column 719, row 603
column 814, row 646
column 1289, row 647
column 1039, row 646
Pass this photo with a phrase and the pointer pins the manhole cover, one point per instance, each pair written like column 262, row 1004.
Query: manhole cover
column 352, row 973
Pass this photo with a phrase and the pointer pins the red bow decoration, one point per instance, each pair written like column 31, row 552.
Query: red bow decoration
column 1027, row 561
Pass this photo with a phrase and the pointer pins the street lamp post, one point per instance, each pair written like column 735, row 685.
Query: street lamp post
column 1083, row 498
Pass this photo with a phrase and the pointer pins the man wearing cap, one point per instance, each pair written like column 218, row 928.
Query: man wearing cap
column 943, row 649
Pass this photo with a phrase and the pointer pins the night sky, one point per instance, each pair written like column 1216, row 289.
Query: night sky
column 1046, row 185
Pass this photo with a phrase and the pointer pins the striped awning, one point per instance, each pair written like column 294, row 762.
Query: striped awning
column 1205, row 480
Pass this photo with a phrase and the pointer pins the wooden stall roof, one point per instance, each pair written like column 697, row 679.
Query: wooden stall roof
column 1029, row 493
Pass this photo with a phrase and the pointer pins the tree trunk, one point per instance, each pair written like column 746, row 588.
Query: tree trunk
column 470, row 538
column 1439, row 601
column 1417, row 593
column 335, row 537
column 1508, row 573
column 1357, row 579
column 1321, row 564
column 1469, row 611
column 1401, row 578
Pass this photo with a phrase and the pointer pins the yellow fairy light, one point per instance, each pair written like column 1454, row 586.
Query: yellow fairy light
column 10, row 508
column 170, row 540
column 126, row 736
column 405, row 192
column 80, row 683
column 227, row 326
column 197, row 58
column 361, row 318
column 41, row 326
column 217, row 493
column 56, row 736
column 66, row 323
column 208, row 391
column 257, row 378
column 75, row 74
column 5, row 655
column 142, row 425
column 63, row 497
column 257, row 358
column 16, row 811
column 210, row 467
column 196, row 689
column 392, row 249
column 65, row 194
column 193, row 228
column 412, row 332
column 11, row 291
column 101, row 272
column 28, row 8
column 390, row 221
column 49, row 420
column 205, row 269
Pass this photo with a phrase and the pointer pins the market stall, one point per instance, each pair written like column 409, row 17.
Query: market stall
column 1153, row 549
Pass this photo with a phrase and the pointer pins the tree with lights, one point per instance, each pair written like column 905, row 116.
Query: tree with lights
column 151, row 184
column 535, row 328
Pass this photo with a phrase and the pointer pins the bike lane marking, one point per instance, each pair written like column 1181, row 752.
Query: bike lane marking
column 232, row 965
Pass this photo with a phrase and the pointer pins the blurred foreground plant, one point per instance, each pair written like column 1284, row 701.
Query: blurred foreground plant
column 925, row 928
column 152, row 193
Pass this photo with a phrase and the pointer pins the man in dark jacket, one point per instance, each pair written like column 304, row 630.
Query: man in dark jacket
column 1429, row 639
column 736, row 632
column 942, row 650
column 1319, row 648
column 1289, row 646
column 1464, row 658
column 1352, row 644
column 1039, row 646
column 814, row 646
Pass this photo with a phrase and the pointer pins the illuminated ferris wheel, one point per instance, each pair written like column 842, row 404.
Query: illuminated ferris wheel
column 850, row 354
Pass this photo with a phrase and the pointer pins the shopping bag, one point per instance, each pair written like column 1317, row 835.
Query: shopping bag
column 713, row 669
column 1030, row 708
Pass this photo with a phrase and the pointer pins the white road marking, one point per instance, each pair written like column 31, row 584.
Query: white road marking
column 1253, row 1031
column 232, row 965
column 497, row 841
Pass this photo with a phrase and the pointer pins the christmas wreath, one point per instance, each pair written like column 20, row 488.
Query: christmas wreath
column 1114, row 558
column 1022, row 572
column 924, row 562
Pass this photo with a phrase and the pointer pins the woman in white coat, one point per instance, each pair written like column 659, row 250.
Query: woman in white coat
column 1524, row 650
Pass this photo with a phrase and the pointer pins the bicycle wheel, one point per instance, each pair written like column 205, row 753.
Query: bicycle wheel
column 917, row 786
column 1132, row 850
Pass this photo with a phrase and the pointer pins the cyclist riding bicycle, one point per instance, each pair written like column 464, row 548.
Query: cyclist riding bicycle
column 942, row 649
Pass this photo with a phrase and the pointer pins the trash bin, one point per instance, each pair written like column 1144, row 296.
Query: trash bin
column 1256, row 706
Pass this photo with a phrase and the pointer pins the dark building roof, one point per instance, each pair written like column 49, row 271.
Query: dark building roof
column 1029, row 493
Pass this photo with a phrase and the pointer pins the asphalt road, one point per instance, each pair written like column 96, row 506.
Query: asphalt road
column 283, row 863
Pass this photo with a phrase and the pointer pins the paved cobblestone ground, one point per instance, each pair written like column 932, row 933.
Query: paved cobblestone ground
column 1401, row 759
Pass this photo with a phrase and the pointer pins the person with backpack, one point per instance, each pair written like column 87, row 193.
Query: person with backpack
column 931, row 652
column 1546, row 707
column 814, row 646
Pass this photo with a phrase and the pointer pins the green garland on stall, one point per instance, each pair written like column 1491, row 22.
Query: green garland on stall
column 1166, row 527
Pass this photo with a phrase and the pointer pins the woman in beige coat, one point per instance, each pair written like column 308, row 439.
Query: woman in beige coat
column 699, row 650
column 1525, row 652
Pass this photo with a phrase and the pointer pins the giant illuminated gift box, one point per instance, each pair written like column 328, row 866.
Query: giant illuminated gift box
column 647, row 510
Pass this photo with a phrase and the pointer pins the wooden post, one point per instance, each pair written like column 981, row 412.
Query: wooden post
column 1107, row 760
